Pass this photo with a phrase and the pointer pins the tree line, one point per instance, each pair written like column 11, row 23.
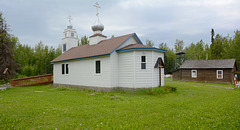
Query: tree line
column 34, row 60
column 221, row 47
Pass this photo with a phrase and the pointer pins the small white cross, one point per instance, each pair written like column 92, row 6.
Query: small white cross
column 70, row 19
column 97, row 7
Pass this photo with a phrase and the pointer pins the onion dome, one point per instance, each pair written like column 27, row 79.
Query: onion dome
column 98, row 26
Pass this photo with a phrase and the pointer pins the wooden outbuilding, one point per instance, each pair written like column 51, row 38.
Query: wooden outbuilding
column 216, row 71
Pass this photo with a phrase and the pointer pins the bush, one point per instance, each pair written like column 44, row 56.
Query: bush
column 61, row 88
column 157, row 90
column 171, row 89
column 18, row 76
column 2, row 81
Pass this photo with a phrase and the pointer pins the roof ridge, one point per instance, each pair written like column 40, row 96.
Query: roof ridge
column 118, row 36
column 212, row 59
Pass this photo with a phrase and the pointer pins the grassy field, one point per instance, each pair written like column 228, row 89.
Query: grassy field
column 192, row 106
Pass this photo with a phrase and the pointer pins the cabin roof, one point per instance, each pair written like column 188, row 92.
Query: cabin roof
column 208, row 64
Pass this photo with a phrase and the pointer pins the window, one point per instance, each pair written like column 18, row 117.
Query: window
column 143, row 62
column 98, row 67
column 72, row 34
column 194, row 73
column 66, row 68
column 64, row 47
column 63, row 68
column 219, row 74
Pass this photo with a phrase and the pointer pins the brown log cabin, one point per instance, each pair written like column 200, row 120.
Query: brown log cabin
column 216, row 71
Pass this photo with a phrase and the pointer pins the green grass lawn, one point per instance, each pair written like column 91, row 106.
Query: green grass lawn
column 192, row 106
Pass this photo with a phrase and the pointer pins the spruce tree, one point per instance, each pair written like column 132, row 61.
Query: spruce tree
column 7, row 43
column 84, row 40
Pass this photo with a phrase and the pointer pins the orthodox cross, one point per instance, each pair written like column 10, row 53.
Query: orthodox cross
column 97, row 7
column 69, row 19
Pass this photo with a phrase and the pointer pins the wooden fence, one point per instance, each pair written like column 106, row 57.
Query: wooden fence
column 35, row 80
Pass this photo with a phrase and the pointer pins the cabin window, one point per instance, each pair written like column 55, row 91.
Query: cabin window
column 67, row 70
column 143, row 62
column 63, row 68
column 194, row 73
column 219, row 74
column 72, row 34
column 64, row 47
column 98, row 67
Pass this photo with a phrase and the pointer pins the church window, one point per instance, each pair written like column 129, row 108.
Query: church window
column 63, row 68
column 72, row 34
column 98, row 67
column 67, row 69
column 143, row 62
column 64, row 47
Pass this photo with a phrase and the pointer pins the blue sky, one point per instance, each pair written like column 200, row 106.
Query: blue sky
column 158, row 20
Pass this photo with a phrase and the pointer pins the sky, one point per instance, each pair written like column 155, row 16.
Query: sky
column 160, row 21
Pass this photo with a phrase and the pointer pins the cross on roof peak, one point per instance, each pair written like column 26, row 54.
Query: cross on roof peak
column 97, row 7
column 69, row 19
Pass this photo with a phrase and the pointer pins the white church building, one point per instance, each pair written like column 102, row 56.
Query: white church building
column 106, row 64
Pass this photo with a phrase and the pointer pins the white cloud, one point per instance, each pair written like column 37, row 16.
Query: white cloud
column 157, row 20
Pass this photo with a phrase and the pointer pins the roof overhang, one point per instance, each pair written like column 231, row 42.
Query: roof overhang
column 79, row 58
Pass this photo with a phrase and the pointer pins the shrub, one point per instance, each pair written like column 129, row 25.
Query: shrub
column 2, row 81
column 19, row 76
column 157, row 90
column 171, row 89
column 61, row 88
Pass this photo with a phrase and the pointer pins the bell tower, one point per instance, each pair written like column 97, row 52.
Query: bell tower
column 70, row 37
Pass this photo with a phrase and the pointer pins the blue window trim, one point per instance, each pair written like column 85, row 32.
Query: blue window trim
column 80, row 58
column 143, row 49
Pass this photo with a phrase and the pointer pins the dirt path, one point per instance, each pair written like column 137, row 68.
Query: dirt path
column 4, row 87
column 220, row 86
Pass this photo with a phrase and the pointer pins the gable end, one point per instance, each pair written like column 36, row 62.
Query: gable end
column 132, row 36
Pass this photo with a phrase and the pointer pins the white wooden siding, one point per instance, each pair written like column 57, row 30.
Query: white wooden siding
column 82, row 72
column 143, row 76
column 117, row 70
column 114, row 69
column 128, row 42
column 126, row 69
column 131, row 74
